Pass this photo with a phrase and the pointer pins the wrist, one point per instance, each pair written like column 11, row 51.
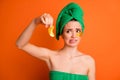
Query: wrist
column 37, row 21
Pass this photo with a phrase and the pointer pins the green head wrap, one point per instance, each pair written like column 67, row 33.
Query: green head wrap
column 69, row 12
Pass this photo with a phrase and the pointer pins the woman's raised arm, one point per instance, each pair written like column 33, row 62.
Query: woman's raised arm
column 23, row 40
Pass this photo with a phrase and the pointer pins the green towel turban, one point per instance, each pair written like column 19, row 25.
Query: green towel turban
column 69, row 12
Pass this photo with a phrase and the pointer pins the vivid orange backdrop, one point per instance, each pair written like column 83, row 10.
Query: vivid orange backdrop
column 100, row 40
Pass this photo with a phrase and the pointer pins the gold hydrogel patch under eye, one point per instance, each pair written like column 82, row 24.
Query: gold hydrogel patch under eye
column 50, row 31
column 79, row 34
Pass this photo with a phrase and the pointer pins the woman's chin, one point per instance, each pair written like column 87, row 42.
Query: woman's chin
column 72, row 45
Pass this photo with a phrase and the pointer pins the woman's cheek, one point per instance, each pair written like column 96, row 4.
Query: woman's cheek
column 67, row 37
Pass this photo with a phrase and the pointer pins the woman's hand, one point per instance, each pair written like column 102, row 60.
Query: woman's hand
column 45, row 19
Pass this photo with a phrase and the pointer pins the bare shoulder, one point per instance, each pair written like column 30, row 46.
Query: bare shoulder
column 88, row 59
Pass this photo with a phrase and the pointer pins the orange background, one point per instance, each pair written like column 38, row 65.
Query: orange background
column 100, row 40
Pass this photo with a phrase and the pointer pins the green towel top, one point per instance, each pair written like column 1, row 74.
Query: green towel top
column 69, row 12
column 58, row 75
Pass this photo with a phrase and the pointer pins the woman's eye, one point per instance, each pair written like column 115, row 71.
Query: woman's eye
column 78, row 30
column 67, row 31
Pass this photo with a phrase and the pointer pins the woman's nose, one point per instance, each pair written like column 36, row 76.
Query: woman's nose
column 73, row 34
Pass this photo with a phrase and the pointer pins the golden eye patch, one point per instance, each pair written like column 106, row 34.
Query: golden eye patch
column 79, row 34
column 50, row 31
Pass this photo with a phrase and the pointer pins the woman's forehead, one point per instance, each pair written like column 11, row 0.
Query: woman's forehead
column 73, row 24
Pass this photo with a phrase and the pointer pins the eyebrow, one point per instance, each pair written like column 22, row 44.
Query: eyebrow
column 68, row 29
column 79, row 28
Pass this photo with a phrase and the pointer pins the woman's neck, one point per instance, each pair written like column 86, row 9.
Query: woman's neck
column 71, row 51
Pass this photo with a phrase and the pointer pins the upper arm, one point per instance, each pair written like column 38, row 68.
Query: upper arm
column 39, row 52
column 91, row 72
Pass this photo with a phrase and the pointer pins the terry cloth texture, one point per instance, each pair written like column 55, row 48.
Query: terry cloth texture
column 69, row 12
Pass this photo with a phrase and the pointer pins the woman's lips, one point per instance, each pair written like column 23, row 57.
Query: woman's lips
column 73, row 41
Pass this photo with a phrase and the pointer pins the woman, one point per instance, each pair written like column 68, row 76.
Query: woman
column 67, row 63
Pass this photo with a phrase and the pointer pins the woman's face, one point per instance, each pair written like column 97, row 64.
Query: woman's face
column 71, row 33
